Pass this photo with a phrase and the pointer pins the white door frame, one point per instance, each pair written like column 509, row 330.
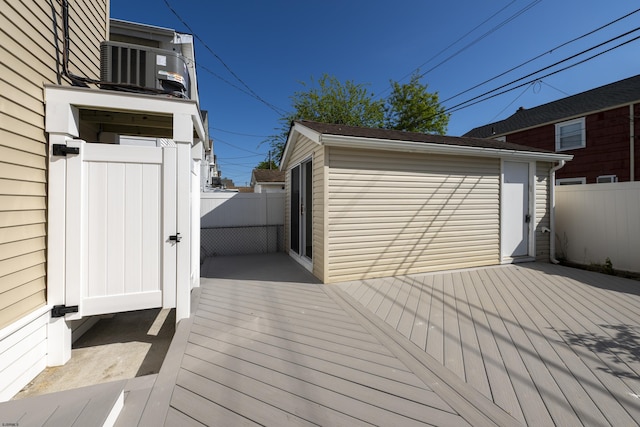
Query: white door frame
column 530, row 228
column 300, row 256
column 62, row 124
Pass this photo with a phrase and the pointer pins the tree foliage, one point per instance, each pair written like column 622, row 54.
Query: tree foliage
column 409, row 107
column 333, row 102
column 267, row 164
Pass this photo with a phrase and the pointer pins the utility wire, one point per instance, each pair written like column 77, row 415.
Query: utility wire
column 490, row 94
column 236, row 147
column 219, row 77
column 543, row 54
column 548, row 67
column 457, row 41
column 478, row 39
column 241, row 157
column 555, row 88
column 239, row 133
column 511, row 103
column 279, row 111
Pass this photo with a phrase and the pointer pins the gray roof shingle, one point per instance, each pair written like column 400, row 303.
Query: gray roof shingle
column 603, row 97
column 268, row 175
column 396, row 135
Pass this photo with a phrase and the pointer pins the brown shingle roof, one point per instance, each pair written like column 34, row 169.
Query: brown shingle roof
column 603, row 97
column 396, row 135
column 268, row 175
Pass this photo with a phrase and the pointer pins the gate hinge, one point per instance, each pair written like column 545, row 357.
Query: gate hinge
column 63, row 150
column 61, row 310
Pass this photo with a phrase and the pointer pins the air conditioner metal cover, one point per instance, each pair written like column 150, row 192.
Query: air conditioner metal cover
column 143, row 69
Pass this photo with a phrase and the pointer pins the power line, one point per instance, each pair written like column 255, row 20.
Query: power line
column 279, row 111
column 491, row 31
column 511, row 103
column 236, row 147
column 469, row 103
column 458, row 40
column 555, row 88
column 543, row 54
column 218, row 76
column 241, row 157
column 239, row 133
column 251, row 164
column 547, row 67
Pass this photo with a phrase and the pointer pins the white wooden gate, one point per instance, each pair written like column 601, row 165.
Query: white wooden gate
column 120, row 216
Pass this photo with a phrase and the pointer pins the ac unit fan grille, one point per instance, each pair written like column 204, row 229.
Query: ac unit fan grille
column 127, row 66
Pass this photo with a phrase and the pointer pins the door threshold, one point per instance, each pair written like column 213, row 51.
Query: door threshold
column 517, row 259
column 305, row 262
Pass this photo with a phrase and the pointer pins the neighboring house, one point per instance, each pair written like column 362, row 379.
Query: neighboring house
column 600, row 127
column 364, row 203
column 88, row 228
column 267, row 181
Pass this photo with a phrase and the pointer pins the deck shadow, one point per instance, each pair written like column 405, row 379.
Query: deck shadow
column 621, row 349
column 273, row 267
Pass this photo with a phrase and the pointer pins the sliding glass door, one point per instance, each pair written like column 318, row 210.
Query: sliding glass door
column 302, row 209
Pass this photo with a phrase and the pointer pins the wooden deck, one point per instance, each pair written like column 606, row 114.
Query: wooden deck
column 269, row 345
column 528, row 344
column 548, row 344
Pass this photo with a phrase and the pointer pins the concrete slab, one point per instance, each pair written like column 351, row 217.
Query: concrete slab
column 124, row 346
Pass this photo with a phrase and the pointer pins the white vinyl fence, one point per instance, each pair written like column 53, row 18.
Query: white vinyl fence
column 599, row 221
column 241, row 223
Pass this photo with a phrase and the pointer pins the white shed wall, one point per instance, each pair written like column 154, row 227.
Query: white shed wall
column 543, row 219
column 393, row 213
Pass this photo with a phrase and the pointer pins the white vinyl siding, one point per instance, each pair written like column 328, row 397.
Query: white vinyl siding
column 28, row 53
column 305, row 149
column 543, row 220
column 23, row 352
column 395, row 213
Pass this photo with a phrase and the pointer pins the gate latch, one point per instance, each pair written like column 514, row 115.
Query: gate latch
column 176, row 237
column 63, row 150
column 61, row 310
column 527, row 218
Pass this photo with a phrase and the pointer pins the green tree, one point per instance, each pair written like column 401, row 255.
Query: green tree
column 267, row 164
column 329, row 101
column 410, row 107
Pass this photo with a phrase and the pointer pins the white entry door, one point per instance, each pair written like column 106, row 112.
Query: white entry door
column 515, row 215
column 121, row 212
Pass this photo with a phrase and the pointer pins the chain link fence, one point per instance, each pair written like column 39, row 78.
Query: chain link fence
column 245, row 240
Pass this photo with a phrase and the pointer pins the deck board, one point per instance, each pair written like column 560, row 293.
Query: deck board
column 528, row 344
column 264, row 351
column 548, row 344
column 557, row 359
column 453, row 358
column 501, row 387
column 475, row 372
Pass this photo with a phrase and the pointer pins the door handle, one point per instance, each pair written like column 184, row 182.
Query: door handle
column 527, row 218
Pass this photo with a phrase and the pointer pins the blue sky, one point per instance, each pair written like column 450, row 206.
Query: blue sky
column 274, row 45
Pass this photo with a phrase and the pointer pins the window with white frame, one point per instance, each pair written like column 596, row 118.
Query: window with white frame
column 571, row 181
column 570, row 135
column 602, row 179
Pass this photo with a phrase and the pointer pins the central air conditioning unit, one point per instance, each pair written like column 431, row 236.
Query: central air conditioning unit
column 143, row 69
